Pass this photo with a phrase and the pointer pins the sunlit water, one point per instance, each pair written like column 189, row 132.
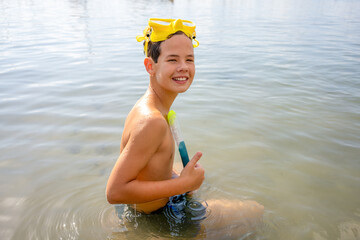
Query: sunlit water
column 275, row 108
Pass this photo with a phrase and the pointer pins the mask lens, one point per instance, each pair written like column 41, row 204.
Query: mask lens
column 189, row 24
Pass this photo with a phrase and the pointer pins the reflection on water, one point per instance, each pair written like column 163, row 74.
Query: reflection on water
column 275, row 108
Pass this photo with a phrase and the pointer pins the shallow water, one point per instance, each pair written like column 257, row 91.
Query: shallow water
column 275, row 108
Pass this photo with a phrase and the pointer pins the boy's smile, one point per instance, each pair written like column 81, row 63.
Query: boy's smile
column 175, row 68
column 180, row 80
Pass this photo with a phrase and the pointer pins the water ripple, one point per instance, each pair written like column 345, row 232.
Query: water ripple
column 274, row 108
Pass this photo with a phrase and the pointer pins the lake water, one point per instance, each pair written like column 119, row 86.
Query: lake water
column 274, row 107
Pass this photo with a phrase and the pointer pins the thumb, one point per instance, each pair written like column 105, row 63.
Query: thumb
column 195, row 158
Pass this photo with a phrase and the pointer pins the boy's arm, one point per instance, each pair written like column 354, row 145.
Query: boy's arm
column 123, row 187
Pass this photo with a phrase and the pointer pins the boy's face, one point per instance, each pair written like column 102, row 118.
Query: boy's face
column 175, row 68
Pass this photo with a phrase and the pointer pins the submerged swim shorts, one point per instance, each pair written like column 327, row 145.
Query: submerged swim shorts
column 181, row 216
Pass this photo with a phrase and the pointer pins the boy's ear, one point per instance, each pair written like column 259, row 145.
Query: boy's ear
column 149, row 65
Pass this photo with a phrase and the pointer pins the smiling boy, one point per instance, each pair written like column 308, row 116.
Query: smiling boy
column 143, row 176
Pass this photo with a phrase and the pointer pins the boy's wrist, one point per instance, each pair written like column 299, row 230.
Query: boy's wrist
column 181, row 185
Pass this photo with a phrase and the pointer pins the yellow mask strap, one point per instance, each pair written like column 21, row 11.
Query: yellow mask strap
column 146, row 37
column 196, row 44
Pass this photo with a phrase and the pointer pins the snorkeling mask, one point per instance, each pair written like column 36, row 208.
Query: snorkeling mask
column 159, row 29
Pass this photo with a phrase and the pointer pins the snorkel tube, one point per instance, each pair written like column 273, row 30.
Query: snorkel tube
column 176, row 132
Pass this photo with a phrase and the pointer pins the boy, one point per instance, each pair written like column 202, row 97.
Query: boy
column 143, row 175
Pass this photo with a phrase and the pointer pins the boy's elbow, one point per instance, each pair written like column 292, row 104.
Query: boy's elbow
column 110, row 198
column 114, row 197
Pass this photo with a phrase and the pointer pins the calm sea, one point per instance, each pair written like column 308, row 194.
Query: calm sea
column 275, row 108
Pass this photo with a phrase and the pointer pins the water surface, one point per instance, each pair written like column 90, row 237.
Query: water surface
column 275, row 108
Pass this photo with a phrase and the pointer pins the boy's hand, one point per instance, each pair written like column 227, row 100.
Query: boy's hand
column 193, row 173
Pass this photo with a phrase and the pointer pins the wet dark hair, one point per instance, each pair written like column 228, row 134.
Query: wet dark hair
column 153, row 49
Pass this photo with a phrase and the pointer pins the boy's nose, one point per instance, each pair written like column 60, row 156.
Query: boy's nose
column 183, row 67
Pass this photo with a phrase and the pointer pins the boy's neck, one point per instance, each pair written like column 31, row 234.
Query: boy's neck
column 162, row 100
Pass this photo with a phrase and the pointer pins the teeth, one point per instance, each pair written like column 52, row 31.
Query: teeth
column 180, row 79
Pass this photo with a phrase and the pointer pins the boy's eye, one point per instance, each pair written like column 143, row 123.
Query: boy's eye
column 172, row 60
column 190, row 60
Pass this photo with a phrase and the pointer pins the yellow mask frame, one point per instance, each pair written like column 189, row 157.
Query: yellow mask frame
column 159, row 29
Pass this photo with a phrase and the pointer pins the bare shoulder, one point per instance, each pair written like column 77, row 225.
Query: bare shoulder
column 144, row 125
column 144, row 117
column 152, row 121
